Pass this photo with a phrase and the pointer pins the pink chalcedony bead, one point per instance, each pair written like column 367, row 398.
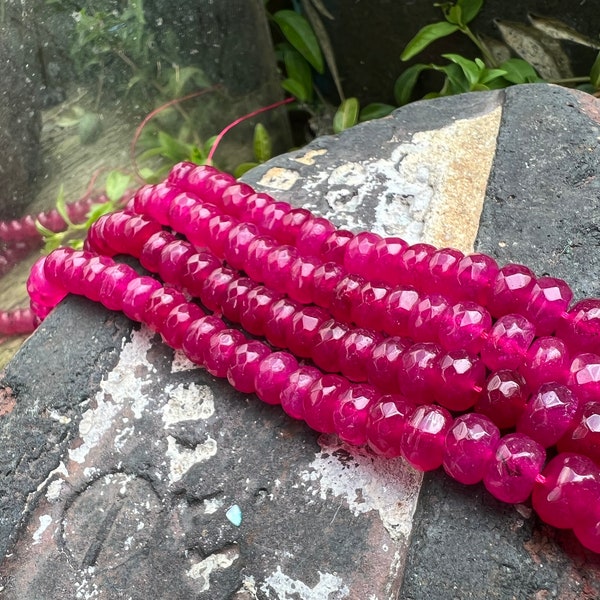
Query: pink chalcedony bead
column 279, row 321
column 173, row 259
column 547, row 360
column 469, row 447
column 584, row 436
column 214, row 287
column 239, row 239
column 235, row 199
column 196, row 230
column 255, row 207
column 217, row 232
column 464, row 326
column 333, row 248
column 150, row 255
column 503, row 399
column 551, row 411
column 303, row 331
column 291, row 224
column 178, row 322
column 356, row 348
column 443, row 266
column 190, row 178
column 386, row 422
column 369, row 311
column 295, row 393
column 512, row 290
column 300, row 286
column 475, row 274
column 273, row 375
column 313, row 233
column 235, row 298
column 40, row 289
column 566, row 489
column 588, row 531
column 385, row 359
column 72, row 276
column 255, row 309
column 136, row 295
column 422, row 441
column 54, row 264
column 461, row 380
column 398, row 307
column 256, row 256
column 346, row 296
column 321, row 401
column 92, row 276
column 159, row 202
column 426, row 317
column 270, row 220
column 220, row 351
column 159, row 304
column 418, row 372
column 352, row 412
column 550, row 298
column 277, row 267
column 244, row 365
column 359, row 252
column 584, row 376
column 325, row 281
column 512, row 472
column 134, row 234
column 507, row 344
column 414, row 265
column 214, row 186
column 179, row 210
column 197, row 336
column 115, row 280
column 327, row 345
column 196, row 270
column 580, row 327
column 386, row 260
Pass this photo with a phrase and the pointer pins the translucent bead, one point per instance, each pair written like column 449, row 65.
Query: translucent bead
column 135, row 233
column 220, row 351
column 399, row 305
column 303, row 333
column 278, row 322
column 255, row 207
column 333, row 248
column 313, row 233
column 550, row 298
column 150, row 255
column 386, row 260
column 588, row 530
column 214, row 288
column 327, row 345
column 54, row 264
column 503, row 399
column 294, row 394
column 255, row 309
column 115, row 280
column 414, row 265
column 218, row 229
column 461, row 380
column 346, row 296
column 584, row 436
column 197, row 269
column 239, row 239
column 426, row 317
column 352, row 412
column 359, row 253
column 173, row 260
column 567, row 487
column 325, row 281
column 158, row 203
column 443, row 266
column 180, row 210
column 235, row 199
column 177, row 323
column 476, row 274
column 507, row 344
column 464, row 326
column 321, row 401
column 356, row 348
column 72, row 277
column 159, row 304
column 383, row 366
column 300, row 286
column 40, row 289
column 197, row 336
column 291, row 224
column 417, row 372
column 369, row 310
column 273, row 375
column 469, row 447
column 547, row 360
column 92, row 276
column 277, row 267
column 136, row 295
column 235, row 297
column 512, row 472
column 512, row 290
column 422, row 441
column 271, row 217
column 549, row 414
column 189, row 176
column 196, row 229
column 581, row 327
column 386, row 422
column 244, row 365
column 584, row 376
column 215, row 186
column 257, row 255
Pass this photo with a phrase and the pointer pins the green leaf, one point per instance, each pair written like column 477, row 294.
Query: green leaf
column 346, row 115
column 454, row 15
column 405, row 84
column 296, row 89
column 375, row 110
column 116, row 185
column 520, row 71
column 300, row 34
column 243, row 168
column 208, row 144
column 98, row 210
column 298, row 69
column 426, row 36
column 173, row 148
column 491, row 74
column 470, row 9
column 595, row 73
column 470, row 68
column 456, row 81
column 262, row 143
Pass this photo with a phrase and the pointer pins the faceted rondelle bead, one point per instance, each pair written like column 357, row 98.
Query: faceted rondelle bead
column 475, row 274
column 352, row 412
column 300, row 286
column 345, row 297
column 54, row 264
column 136, row 295
column 399, row 305
column 503, row 398
column 321, row 401
column 244, row 365
column 333, row 248
column 414, row 265
column 159, row 304
column 72, row 276
column 461, row 379
column 567, row 487
column 272, row 216
column 196, row 230
column 256, row 256
column 150, row 255
column 158, row 202
column 385, row 260
column 584, row 436
column 239, row 239
column 92, row 276
column 273, row 375
column 220, row 351
column 294, row 394
column 417, row 372
column 422, row 441
column 277, row 267
column 291, row 224
column 197, row 336
column 464, row 326
column 255, row 309
column 356, row 348
column 217, row 233
column 507, row 344
column 303, row 332
column 179, row 210
column 40, row 289
column 547, row 360
column 384, row 363
column 469, row 447
column 511, row 473
column 443, row 266
column 426, row 317
column 279, row 321
column 178, row 322
column 214, row 187
column 235, row 198
column 512, row 290
column 550, row 298
column 115, row 280
column 584, row 376
column 327, row 345
column 386, row 422
column 214, row 287
column 359, row 252
column 173, row 259
column 369, row 310
column 235, row 298
column 580, row 327
column 313, row 233
column 325, row 281
column 255, row 207
column 196, row 270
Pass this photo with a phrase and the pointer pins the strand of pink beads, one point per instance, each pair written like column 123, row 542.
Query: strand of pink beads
column 546, row 386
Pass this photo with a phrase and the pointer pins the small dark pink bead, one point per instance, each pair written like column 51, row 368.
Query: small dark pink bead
column 54, row 264
column 580, row 327
column 40, row 289
column 220, row 351
column 197, row 336
column 178, row 322
column 321, row 401
column 461, row 379
column 334, row 247
column 244, row 365
column 422, row 441
column 257, row 255
column 469, row 447
column 475, row 274
column 180, row 210
column 277, row 267
column 255, row 207
column 279, row 320
column 180, row 171
column 197, row 269
column 356, row 349
column 385, row 260
column 272, row 216
column 173, row 260
column 443, row 267
column 584, row 376
column 96, row 241
column 218, row 229
column 312, row 235
column 417, row 372
column 508, row 342
column 72, row 279
column 327, row 345
column 150, row 255
column 158, row 204
column 346, row 295
column 235, row 198
column 255, row 309
column 295, row 394
column 300, row 286
column 136, row 295
column 463, row 326
column 325, row 281
column 504, row 398
column 92, row 275
column 551, row 411
column 550, row 298
column 359, row 253
column 512, row 290
column 414, row 265
column 351, row 413
column 115, row 280
column 239, row 239
column 291, row 224
column 303, row 331
column 235, row 297
column 547, row 360
column 113, row 231
column 386, row 422
column 584, row 436
column 273, row 376
column 512, row 472
column 159, row 304
column 214, row 186
column 215, row 286
column 399, row 305
column 191, row 179
column 370, row 308
column 196, row 230
column 425, row 318
column 384, row 363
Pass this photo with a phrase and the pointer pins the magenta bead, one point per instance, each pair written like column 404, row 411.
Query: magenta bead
column 300, row 286
column 386, row 259
column 313, row 233
column 271, row 218
column 156, row 202
column 278, row 322
column 422, row 441
column 426, row 317
column 386, row 422
column 547, row 360
column 346, row 296
column 291, row 224
column 469, row 447
column 235, row 298
column 359, row 253
column 325, row 281
column 239, row 239
column 464, row 326
column 507, row 344
column 178, row 322
column 256, row 256
column 370, row 308
column 417, row 372
column 255, row 206
column 461, row 379
column 54, row 264
column 443, row 266
column 351, row 413
column 333, row 248
column 278, row 266
column 321, row 401
column 220, row 351
column 214, row 186
column 512, row 290
column 197, row 336
column 385, row 360
column 218, row 229
column 303, row 331
column 398, row 308
column 115, row 280
column 244, row 365
column 273, row 376
column 235, row 198
column 40, row 289
column 550, row 298
column 327, row 345
column 190, row 178
column 475, row 275
column 584, row 436
column 196, row 270
column 72, row 277
column 255, row 309
column 92, row 276
column 150, row 256
column 503, row 398
column 136, row 295
column 356, row 348
column 159, row 305
column 584, row 376
column 294, row 395
column 179, row 210
column 214, row 287
column 414, row 265
column 580, row 328
column 196, row 230
column 173, row 259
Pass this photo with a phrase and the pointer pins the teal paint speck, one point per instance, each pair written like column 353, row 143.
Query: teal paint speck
column 234, row 514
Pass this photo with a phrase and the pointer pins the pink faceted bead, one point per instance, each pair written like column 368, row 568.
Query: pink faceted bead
column 54, row 264
column 417, row 372
column 550, row 298
column 313, row 233
column 158, row 204
column 580, row 328
column 136, row 295
column 469, row 447
column 384, row 363
column 278, row 266
column 214, row 186
column 300, row 286
column 359, row 253
column 422, row 441
column 386, row 422
column 235, row 298
column 279, row 321
column 584, row 436
column 513, row 470
column 588, row 530
column 158, row 306
column 178, row 322
column 565, row 490
column 96, row 241
column 196, row 230
column 197, row 336
column 351, row 413
column 369, row 310
column 40, row 289
column 150, row 255
column 321, row 401
column 346, row 296
column 272, row 216
column 414, row 265
column 197, row 269
column 325, row 281
column 295, row 393
column 291, row 224
column 503, row 399
column 72, row 277
column 190, row 178
column 461, row 380
column 173, row 259
column 92, row 276
column 220, row 351
column 508, row 342
column 218, row 229
column 235, row 198
column 399, row 305
column 115, row 280
column 273, row 375
column 425, row 318
column 584, row 377
column 475, row 274
column 355, row 353
column 257, row 255
column 303, row 332
column 512, row 290
column 464, row 326
column 333, row 248
column 255, row 309
column 179, row 210
column 327, row 345
column 547, row 360
column 386, row 259
column 443, row 266
column 214, row 288
column 239, row 239
column 549, row 414
column 244, row 365
column 255, row 207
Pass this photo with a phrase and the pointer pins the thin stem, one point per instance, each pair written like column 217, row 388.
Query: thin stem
column 583, row 79
column 488, row 58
